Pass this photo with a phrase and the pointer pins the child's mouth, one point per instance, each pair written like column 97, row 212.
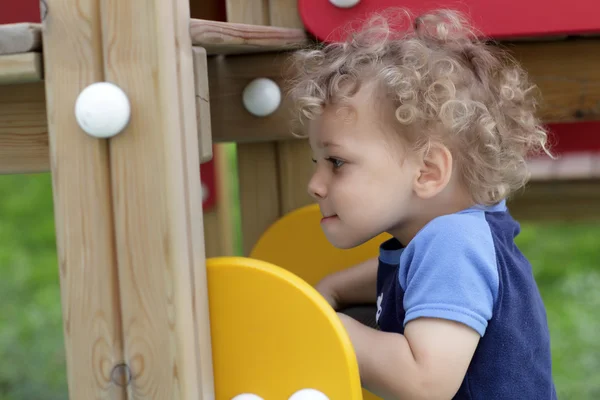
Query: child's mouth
column 329, row 218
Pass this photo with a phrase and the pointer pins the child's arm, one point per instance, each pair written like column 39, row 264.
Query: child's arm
column 428, row 362
column 354, row 285
column 450, row 282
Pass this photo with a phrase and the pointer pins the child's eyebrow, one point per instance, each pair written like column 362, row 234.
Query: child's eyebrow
column 330, row 144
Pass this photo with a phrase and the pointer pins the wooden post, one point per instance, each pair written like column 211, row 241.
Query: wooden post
column 128, row 209
column 82, row 206
column 157, row 201
column 257, row 162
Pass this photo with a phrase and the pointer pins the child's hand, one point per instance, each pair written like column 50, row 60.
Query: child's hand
column 328, row 293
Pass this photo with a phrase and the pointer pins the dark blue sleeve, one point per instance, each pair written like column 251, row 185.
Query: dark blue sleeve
column 451, row 271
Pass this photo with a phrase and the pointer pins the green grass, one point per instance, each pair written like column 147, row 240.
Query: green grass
column 565, row 258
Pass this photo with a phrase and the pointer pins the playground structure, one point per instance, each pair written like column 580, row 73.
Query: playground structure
column 150, row 309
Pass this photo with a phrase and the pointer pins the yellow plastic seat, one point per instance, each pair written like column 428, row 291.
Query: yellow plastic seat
column 273, row 334
column 297, row 243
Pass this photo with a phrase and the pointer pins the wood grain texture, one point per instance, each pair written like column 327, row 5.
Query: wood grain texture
column 556, row 200
column 231, row 122
column 20, row 38
column 21, row 68
column 202, row 102
column 237, row 38
column 23, row 129
column 568, row 76
column 257, row 162
column 295, row 167
column 157, row 207
column 565, row 72
column 82, row 205
column 193, row 132
column 259, row 190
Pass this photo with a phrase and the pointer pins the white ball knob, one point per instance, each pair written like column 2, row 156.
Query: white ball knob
column 247, row 396
column 308, row 394
column 261, row 97
column 344, row 3
column 102, row 110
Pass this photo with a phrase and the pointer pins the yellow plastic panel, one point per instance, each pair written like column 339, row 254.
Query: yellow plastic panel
column 273, row 334
column 296, row 243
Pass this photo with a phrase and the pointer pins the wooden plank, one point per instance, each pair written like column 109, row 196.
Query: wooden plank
column 20, row 68
column 252, row 12
column 193, row 132
column 157, row 205
column 82, row 204
column 23, row 129
column 257, row 162
column 554, row 200
column 566, row 73
column 259, row 190
column 295, row 167
column 237, row 38
column 202, row 101
column 231, row 122
column 20, row 38
column 215, row 36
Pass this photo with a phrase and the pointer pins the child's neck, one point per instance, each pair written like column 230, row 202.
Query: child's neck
column 448, row 202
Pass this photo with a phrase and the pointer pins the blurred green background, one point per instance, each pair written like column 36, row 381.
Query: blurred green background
column 565, row 257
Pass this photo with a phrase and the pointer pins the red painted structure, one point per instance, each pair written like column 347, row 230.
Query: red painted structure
column 500, row 19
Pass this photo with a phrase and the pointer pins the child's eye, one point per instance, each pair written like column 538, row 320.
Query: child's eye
column 336, row 162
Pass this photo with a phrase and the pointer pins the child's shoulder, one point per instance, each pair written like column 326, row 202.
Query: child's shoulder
column 469, row 227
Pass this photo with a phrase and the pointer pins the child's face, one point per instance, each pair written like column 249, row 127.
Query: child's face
column 362, row 182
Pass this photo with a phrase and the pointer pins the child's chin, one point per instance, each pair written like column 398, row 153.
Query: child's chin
column 341, row 242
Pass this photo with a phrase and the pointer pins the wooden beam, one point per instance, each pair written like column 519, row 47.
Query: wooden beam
column 567, row 72
column 237, row 38
column 557, row 200
column 21, row 68
column 202, row 99
column 215, row 36
column 82, row 202
column 20, row 38
column 24, row 129
column 157, row 201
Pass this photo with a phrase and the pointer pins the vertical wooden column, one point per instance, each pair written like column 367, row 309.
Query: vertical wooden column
column 293, row 156
column 218, row 221
column 257, row 162
column 157, row 201
column 82, row 206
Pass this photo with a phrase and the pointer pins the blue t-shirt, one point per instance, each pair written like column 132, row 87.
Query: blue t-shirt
column 466, row 267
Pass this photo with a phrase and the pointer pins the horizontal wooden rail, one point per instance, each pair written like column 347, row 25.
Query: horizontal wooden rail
column 20, row 38
column 566, row 71
column 21, row 68
column 215, row 36
column 234, row 38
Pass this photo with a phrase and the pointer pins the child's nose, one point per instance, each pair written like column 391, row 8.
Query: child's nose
column 316, row 187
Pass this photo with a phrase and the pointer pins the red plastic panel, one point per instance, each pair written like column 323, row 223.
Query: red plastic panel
column 12, row 11
column 575, row 137
column 499, row 19
column 208, row 179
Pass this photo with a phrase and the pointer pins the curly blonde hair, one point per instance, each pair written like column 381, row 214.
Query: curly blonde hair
column 445, row 83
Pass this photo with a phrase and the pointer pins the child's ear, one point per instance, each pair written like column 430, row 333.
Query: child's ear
column 435, row 170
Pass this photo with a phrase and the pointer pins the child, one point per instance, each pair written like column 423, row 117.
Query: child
column 423, row 134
